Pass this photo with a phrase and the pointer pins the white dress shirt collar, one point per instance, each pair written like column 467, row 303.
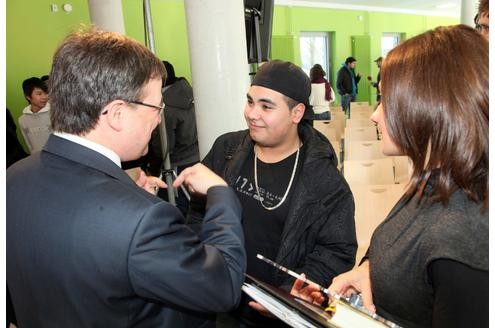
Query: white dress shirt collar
column 107, row 152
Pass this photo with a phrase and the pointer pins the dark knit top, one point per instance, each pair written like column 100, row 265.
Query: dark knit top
column 409, row 243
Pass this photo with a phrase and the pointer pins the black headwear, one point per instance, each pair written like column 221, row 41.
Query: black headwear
column 288, row 79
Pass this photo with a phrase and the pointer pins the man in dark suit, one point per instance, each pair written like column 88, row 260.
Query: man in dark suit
column 85, row 245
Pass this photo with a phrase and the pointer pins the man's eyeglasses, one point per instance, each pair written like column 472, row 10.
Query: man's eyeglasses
column 137, row 102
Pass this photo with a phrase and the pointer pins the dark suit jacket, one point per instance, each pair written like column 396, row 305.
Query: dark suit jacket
column 86, row 247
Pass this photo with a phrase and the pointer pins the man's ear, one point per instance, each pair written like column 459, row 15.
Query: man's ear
column 113, row 114
column 298, row 113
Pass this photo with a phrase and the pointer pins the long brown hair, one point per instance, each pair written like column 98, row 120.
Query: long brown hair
column 435, row 101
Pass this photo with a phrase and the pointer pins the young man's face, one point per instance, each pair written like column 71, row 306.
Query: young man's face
column 483, row 22
column 268, row 116
column 352, row 65
column 38, row 99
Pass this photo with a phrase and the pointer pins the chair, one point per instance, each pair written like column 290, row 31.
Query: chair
column 359, row 104
column 328, row 129
column 402, row 169
column 361, row 114
column 372, row 205
column 360, row 134
column 367, row 172
column 363, row 150
column 338, row 152
column 358, row 123
column 339, row 117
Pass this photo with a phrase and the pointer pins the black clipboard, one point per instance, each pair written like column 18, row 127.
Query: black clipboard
column 345, row 315
column 312, row 313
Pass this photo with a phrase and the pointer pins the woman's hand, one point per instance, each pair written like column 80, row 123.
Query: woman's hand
column 355, row 281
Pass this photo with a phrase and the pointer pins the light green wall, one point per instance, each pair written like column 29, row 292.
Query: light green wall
column 33, row 32
column 342, row 25
column 169, row 29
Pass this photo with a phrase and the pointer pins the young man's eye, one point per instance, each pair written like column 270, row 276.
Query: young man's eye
column 267, row 107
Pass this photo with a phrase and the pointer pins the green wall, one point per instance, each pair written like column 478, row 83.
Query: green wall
column 343, row 25
column 33, row 32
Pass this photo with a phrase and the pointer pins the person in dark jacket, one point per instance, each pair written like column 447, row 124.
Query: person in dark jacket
column 376, row 84
column 180, row 121
column 86, row 245
column 297, row 208
column 347, row 83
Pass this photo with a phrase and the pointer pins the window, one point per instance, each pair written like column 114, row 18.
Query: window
column 389, row 41
column 314, row 50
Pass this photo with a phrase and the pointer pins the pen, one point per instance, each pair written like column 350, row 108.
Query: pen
column 296, row 275
column 174, row 174
column 184, row 190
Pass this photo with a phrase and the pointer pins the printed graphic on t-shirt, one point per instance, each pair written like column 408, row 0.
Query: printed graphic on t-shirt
column 247, row 187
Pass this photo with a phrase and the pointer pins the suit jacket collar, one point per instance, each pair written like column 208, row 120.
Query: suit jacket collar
column 85, row 156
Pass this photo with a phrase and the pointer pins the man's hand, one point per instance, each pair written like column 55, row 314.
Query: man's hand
column 261, row 309
column 198, row 179
column 150, row 183
column 310, row 293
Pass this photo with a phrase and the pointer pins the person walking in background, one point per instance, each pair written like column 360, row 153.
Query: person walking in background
column 347, row 84
column 180, row 121
column 86, row 246
column 321, row 93
column 297, row 207
column 376, row 84
column 427, row 264
column 482, row 19
column 35, row 119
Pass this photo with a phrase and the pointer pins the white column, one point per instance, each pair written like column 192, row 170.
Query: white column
column 469, row 8
column 220, row 71
column 107, row 15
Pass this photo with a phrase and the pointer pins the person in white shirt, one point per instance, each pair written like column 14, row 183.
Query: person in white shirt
column 35, row 119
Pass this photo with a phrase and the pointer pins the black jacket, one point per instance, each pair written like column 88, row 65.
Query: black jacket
column 180, row 120
column 86, row 247
column 319, row 236
column 344, row 81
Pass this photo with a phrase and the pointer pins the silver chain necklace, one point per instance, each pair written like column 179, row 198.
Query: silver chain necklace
column 288, row 187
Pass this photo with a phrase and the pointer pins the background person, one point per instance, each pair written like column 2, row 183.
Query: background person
column 35, row 119
column 376, row 84
column 347, row 84
column 180, row 121
column 427, row 264
column 482, row 19
column 321, row 93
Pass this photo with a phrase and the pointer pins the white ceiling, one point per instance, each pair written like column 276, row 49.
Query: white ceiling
column 450, row 8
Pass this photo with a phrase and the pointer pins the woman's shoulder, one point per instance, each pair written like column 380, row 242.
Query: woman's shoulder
column 459, row 231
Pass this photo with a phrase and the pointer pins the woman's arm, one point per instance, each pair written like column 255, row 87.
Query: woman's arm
column 460, row 295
